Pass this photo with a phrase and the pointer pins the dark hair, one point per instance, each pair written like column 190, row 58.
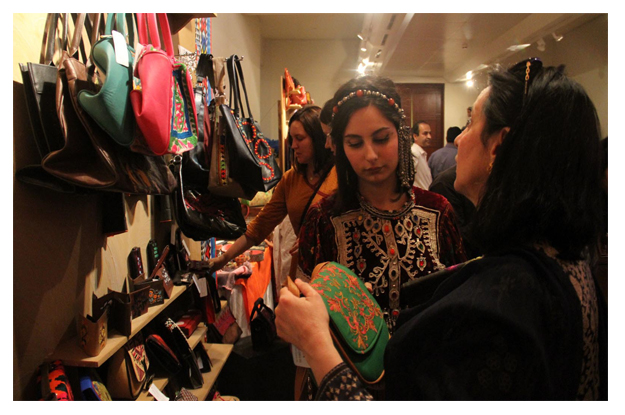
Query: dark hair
column 452, row 133
column 347, row 178
column 326, row 112
column 544, row 186
column 309, row 117
column 415, row 126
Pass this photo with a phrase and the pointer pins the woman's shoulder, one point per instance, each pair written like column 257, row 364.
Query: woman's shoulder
column 429, row 199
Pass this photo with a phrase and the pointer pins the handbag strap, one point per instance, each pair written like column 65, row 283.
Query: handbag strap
column 219, row 73
column 115, row 21
column 153, row 28
column 317, row 187
column 239, row 71
column 48, row 44
column 235, row 75
column 77, row 42
column 259, row 304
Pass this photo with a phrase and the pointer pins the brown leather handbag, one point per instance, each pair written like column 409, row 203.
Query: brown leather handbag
column 89, row 158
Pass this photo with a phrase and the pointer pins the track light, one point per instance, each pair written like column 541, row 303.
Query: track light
column 556, row 37
column 540, row 44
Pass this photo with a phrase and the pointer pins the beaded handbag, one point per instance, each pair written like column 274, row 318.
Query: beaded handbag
column 251, row 160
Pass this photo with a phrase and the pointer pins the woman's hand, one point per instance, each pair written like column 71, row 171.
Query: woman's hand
column 305, row 323
column 218, row 263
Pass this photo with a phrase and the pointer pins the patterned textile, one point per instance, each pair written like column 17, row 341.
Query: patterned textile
column 385, row 249
column 341, row 384
column 580, row 275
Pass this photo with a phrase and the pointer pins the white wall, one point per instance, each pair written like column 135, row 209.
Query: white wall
column 239, row 34
column 321, row 66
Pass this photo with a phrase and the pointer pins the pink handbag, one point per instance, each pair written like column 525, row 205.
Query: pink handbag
column 162, row 97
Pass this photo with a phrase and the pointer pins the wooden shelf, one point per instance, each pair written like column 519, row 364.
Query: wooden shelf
column 218, row 354
column 72, row 355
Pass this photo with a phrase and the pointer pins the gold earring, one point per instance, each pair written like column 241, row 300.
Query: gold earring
column 490, row 167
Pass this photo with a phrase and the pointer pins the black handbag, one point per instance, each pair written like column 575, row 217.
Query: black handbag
column 196, row 162
column 202, row 215
column 251, row 160
column 164, row 361
column 39, row 80
column 190, row 375
column 262, row 325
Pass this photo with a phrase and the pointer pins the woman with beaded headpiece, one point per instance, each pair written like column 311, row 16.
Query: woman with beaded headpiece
column 526, row 321
column 378, row 224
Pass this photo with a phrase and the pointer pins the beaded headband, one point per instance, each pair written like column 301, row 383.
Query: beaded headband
column 360, row 93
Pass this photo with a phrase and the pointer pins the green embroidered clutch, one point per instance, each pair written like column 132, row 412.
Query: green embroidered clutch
column 357, row 325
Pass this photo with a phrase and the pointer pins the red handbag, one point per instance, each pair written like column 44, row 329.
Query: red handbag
column 162, row 97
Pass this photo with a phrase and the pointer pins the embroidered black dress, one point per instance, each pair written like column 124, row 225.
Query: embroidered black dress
column 384, row 248
column 519, row 326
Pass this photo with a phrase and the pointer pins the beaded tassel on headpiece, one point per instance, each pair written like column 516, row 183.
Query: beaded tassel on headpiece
column 405, row 167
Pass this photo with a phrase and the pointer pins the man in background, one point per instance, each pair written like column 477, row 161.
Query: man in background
column 445, row 157
column 421, row 134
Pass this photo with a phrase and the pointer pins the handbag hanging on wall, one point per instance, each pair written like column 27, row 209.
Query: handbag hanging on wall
column 110, row 107
column 89, row 158
column 39, row 80
column 162, row 98
column 201, row 215
column 220, row 181
column 251, row 160
column 196, row 162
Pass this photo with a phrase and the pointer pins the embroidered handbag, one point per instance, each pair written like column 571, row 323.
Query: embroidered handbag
column 219, row 180
column 356, row 321
column 251, row 159
column 162, row 97
column 92, row 388
column 110, row 106
column 127, row 369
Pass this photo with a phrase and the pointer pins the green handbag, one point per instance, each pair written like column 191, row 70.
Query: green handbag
column 110, row 107
column 356, row 321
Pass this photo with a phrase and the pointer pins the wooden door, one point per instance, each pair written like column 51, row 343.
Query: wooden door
column 425, row 102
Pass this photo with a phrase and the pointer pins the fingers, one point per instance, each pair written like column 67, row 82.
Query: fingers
column 305, row 288
column 292, row 287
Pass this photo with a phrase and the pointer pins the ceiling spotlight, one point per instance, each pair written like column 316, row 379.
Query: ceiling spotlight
column 363, row 49
column 540, row 44
column 469, row 75
column 516, row 48
column 470, row 83
column 361, row 68
column 556, row 37
column 360, row 36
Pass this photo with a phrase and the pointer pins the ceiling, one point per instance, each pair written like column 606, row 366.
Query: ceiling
column 432, row 45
